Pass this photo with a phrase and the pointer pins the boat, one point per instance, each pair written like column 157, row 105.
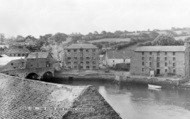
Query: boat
column 151, row 86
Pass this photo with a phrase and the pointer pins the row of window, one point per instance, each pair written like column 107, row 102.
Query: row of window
column 87, row 67
column 17, row 55
column 81, row 50
column 87, row 62
column 158, row 58
column 81, row 58
column 158, row 64
column 166, row 70
column 158, row 53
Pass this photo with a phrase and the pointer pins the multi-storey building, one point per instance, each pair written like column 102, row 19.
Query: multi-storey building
column 81, row 56
column 161, row 60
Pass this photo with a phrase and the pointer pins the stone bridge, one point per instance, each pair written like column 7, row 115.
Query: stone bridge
column 32, row 73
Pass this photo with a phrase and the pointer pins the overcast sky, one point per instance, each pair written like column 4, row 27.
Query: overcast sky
column 39, row 17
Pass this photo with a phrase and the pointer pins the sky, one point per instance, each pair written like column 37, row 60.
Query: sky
column 39, row 17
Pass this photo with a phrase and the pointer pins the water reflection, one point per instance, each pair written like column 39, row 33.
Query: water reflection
column 139, row 102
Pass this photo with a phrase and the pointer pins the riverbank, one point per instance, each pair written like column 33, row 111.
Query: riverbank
column 121, row 77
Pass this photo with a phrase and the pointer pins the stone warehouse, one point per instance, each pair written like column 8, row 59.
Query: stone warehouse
column 161, row 60
column 81, row 56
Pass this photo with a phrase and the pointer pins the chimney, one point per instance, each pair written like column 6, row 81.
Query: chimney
column 36, row 55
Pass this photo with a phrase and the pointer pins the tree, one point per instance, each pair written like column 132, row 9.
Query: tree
column 2, row 38
column 59, row 37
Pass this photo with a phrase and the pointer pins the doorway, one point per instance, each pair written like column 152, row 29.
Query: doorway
column 158, row 71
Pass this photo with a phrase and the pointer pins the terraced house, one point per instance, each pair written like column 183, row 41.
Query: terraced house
column 81, row 56
column 161, row 60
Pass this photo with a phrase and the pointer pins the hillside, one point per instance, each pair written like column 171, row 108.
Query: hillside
column 111, row 40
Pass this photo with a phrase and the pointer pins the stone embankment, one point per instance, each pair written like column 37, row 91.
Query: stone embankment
column 30, row 99
column 122, row 77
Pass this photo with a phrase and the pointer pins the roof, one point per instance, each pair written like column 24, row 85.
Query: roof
column 161, row 48
column 31, row 99
column 81, row 45
column 114, row 54
column 13, row 50
column 38, row 55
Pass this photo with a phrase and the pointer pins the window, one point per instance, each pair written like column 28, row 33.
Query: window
column 19, row 55
column 158, row 58
column 173, row 53
column 94, row 67
column 81, row 50
column 165, row 53
column 11, row 63
column 87, row 67
column 142, row 58
column 143, row 63
column 158, row 64
column 47, row 64
column 142, row 69
column 75, row 67
column 150, row 58
column 150, row 63
column 75, row 50
column 166, row 70
column 166, row 64
column 173, row 58
column 23, row 54
column 158, row 53
column 93, row 50
column 87, row 58
column 174, row 71
column 68, row 50
column 150, row 53
column 173, row 64
column 68, row 58
column 142, row 53
column 75, row 58
column 87, row 62
column 165, row 58
column 87, row 50
column 94, row 62
column 69, row 62
column 75, row 62
column 81, row 58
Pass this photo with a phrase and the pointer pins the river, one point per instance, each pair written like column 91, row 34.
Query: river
column 139, row 102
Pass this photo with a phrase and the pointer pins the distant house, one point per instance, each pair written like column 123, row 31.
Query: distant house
column 113, row 57
column 16, row 51
column 81, row 56
column 161, row 60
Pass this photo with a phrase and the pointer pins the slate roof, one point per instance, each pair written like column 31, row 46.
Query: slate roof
column 113, row 54
column 31, row 99
column 16, row 50
column 38, row 55
column 160, row 48
column 81, row 45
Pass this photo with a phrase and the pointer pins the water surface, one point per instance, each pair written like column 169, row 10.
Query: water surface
column 139, row 102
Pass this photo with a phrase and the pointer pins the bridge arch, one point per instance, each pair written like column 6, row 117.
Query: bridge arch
column 47, row 76
column 32, row 76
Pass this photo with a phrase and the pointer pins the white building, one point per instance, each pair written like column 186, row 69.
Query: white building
column 113, row 57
